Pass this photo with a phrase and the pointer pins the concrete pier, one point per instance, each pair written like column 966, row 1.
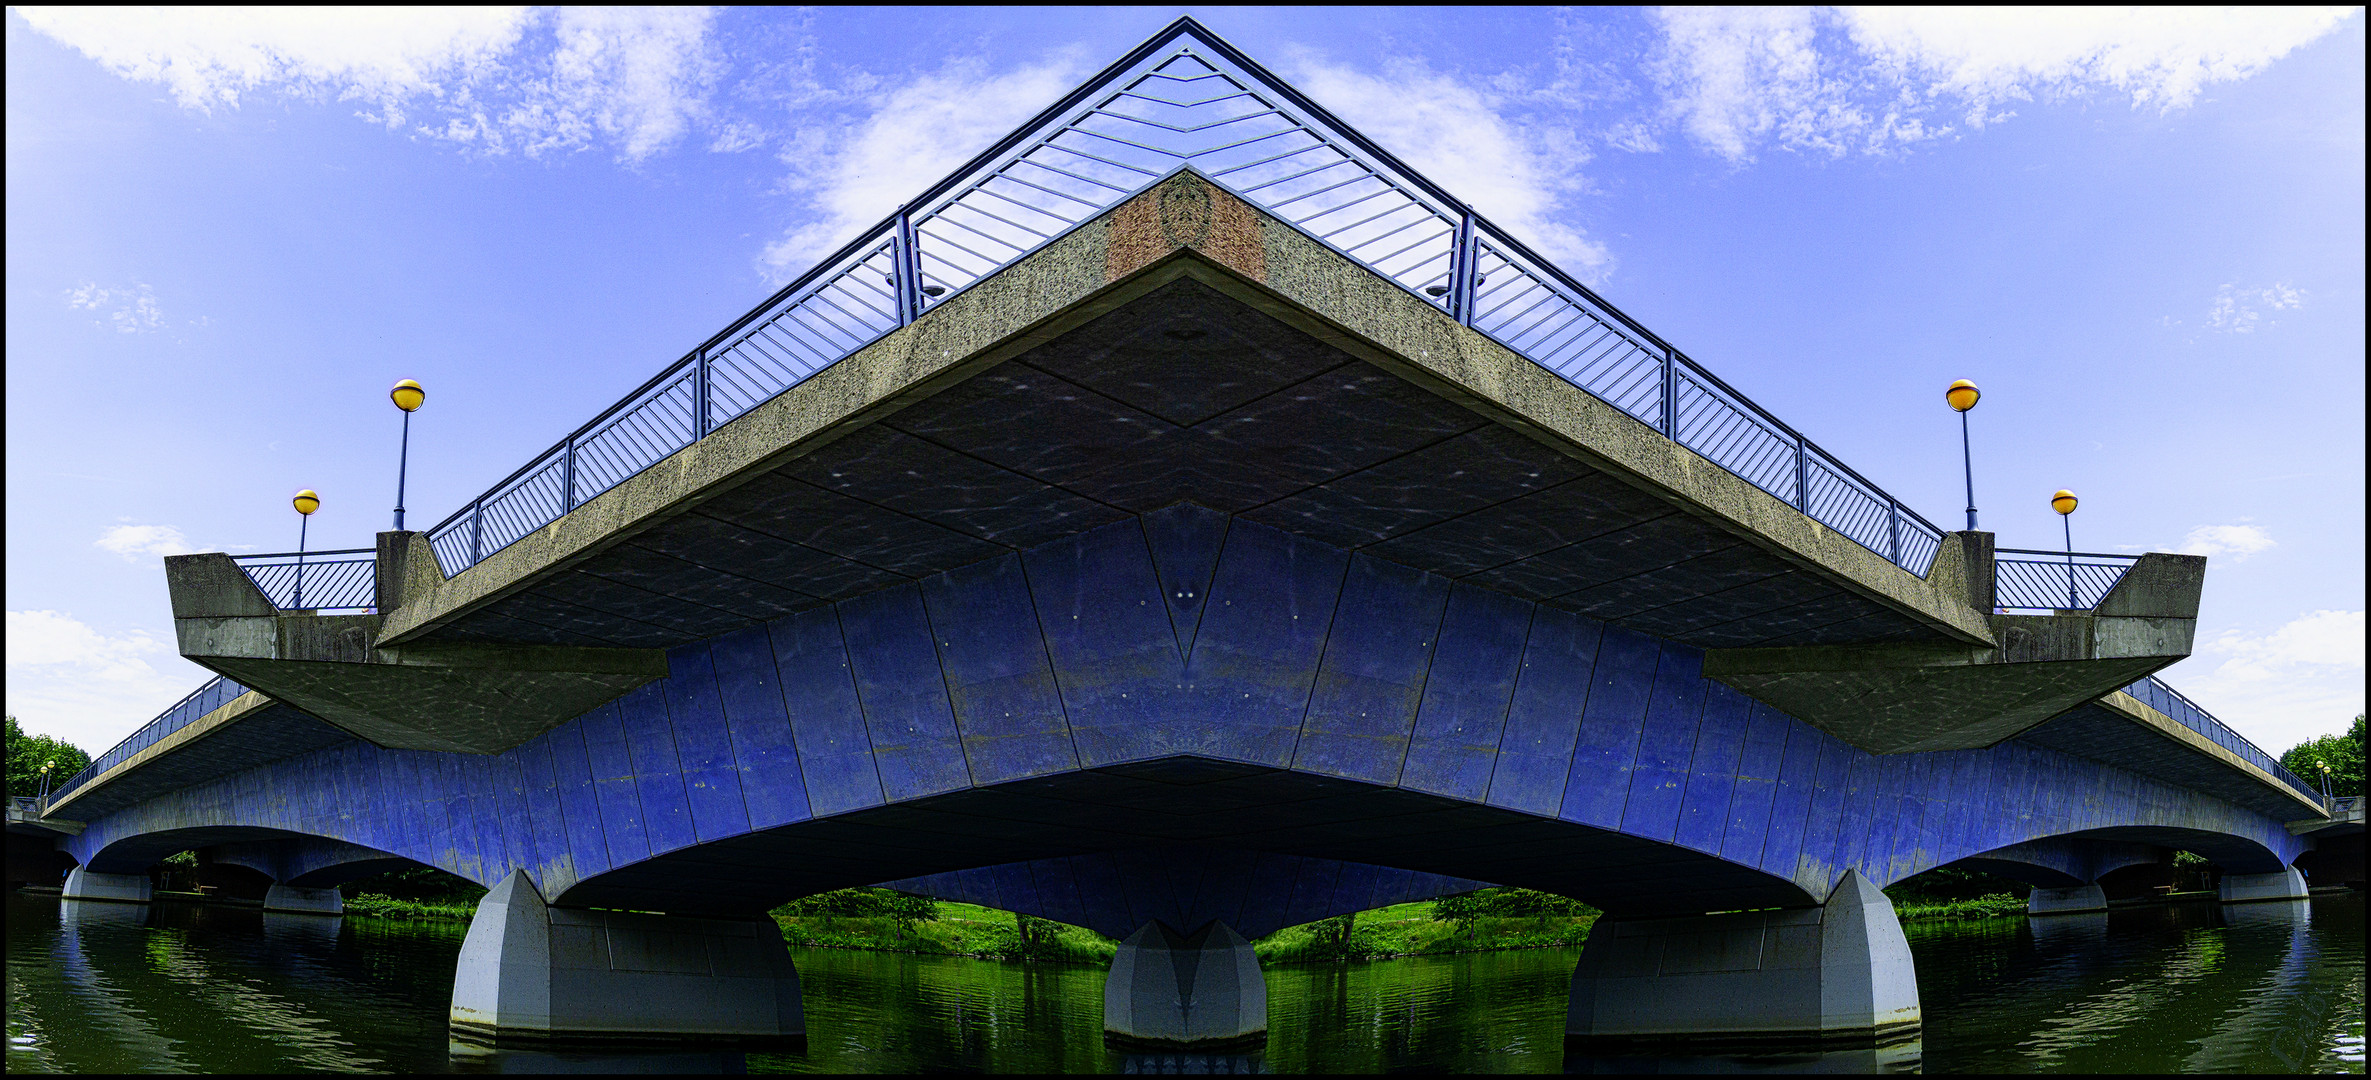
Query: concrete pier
column 532, row 972
column 2288, row 884
column 2066, row 901
column 289, row 898
column 1835, row 975
column 83, row 884
column 1202, row 989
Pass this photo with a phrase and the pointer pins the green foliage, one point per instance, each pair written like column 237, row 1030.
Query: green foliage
column 1993, row 906
column 180, row 860
column 1464, row 908
column 953, row 930
column 26, row 753
column 425, row 884
column 1944, row 883
column 390, row 907
column 2342, row 753
column 1534, row 921
column 903, row 908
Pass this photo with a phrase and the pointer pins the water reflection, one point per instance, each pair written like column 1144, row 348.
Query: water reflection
column 100, row 987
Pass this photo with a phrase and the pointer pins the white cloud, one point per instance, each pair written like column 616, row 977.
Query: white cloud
column 1472, row 140
column 2236, row 311
column 2237, row 541
column 128, row 311
column 88, row 687
column 142, row 543
column 1832, row 80
column 2301, row 680
column 906, row 138
column 496, row 79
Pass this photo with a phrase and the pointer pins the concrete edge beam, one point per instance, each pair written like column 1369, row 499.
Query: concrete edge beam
column 2141, row 713
column 223, row 715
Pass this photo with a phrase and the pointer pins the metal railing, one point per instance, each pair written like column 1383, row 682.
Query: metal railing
column 2154, row 693
column 315, row 580
column 216, row 693
column 2054, row 580
column 2346, row 806
column 1185, row 99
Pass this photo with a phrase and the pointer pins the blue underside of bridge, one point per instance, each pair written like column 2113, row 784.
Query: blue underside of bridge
column 1181, row 716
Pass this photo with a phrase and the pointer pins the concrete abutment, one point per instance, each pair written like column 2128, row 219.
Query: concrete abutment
column 531, row 972
column 82, row 884
column 1201, row 989
column 1837, row 975
column 2287, row 884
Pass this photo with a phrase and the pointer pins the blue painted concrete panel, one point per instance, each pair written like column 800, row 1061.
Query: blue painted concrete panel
column 1057, row 890
column 613, row 786
column 1372, row 675
column 1313, row 891
column 1823, row 824
column 827, row 725
column 748, row 688
column 1753, row 803
column 1354, row 888
column 1605, row 751
column 1712, row 769
column 1552, row 689
column 999, row 680
column 895, row 661
column 1666, row 742
column 1016, row 890
column 1467, row 693
column 1271, row 603
column 1270, row 893
column 658, row 774
column 1099, row 889
column 1184, row 541
column 588, row 846
column 1110, row 639
column 547, row 827
column 704, row 744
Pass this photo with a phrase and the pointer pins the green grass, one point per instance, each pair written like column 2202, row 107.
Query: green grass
column 959, row 930
column 1997, row 905
column 388, row 907
column 1411, row 930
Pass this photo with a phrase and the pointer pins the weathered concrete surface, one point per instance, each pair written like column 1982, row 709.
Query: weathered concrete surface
column 2126, row 732
column 1838, row 974
column 2288, row 884
column 529, row 971
column 2066, row 901
column 1185, row 989
column 250, row 729
column 290, row 898
column 1763, row 555
column 1910, row 698
column 454, row 697
column 84, row 884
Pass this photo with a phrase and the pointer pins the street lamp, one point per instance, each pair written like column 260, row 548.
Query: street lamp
column 1961, row 396
column 2064, row 503
column 407, row 396
column 305, row 502
column 52, row 763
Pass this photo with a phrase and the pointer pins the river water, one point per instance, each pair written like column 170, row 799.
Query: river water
column 2193, row 987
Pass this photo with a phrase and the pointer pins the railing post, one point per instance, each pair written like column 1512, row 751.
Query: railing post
column 1802, row 477
column 1893, row 529
column 1461, row 270
column 1670, row 395
column 477, row 530
column 700, row 395
column 909, row 270
column 568, row 476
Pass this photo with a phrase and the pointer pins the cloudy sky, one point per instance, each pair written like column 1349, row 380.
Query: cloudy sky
column 2141, row 232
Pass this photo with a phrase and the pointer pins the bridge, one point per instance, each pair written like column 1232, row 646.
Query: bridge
column 1184, row 521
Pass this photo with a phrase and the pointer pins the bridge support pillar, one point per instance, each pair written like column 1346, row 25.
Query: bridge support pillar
column 307, row 901
column 1838, row 975
column 1172, row 989
column 529, row 972
column 2288, row 884
column 83, row 884
column 2066, row 901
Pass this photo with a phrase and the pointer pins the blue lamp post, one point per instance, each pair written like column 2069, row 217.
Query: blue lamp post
column 407, row 396
column 305, row 502
column 2064, row 503
column 1961, row 396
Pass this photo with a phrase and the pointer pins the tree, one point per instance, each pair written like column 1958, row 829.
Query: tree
column 26, row 753
column 2342, row 753
column 1506, row 903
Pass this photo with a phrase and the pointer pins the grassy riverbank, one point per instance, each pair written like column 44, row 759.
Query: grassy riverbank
column 390, row 907
column 1997, row 905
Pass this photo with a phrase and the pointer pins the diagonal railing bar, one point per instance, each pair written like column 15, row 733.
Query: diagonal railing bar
column 1185, row 99
column 2054, row 580
column 212, row 695
column 315, row 580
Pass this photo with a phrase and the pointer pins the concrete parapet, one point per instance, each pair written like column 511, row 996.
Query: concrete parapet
column 306, row 901
column 83, row 884
column 2288, row 884
column 1839, row 974
column 2066, row 901
column 529, row 971
column 1200, row 989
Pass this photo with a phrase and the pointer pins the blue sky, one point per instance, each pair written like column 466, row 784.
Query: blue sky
column 2141, row 233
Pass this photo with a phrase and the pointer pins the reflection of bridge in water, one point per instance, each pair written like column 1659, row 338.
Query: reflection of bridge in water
column 1231, row 534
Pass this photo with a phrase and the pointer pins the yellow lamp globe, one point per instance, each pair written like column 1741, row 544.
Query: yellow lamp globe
column 1962, row 395
column 306, row 502
column 407, row 395
column 2063, row 502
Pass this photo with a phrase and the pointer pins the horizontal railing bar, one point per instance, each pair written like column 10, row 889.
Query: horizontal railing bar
column 308, row 554
column 2060, row 554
